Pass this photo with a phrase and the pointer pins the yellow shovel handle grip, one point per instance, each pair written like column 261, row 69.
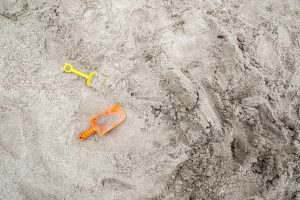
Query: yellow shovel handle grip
column 70, row 69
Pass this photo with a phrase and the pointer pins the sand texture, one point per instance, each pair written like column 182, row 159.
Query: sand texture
column 210, row 90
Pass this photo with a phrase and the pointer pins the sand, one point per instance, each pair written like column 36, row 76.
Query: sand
column 210, row 90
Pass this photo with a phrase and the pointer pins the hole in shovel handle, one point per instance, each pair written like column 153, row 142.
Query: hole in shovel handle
column 68, row 68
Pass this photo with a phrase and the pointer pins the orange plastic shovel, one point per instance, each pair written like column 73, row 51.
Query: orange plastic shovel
column 104, row 121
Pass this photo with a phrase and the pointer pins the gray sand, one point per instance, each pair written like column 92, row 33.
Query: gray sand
column 210, row 90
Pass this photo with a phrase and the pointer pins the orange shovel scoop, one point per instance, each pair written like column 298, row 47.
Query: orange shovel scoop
column 104, row 121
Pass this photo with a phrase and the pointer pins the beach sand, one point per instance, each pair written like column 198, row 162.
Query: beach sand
column 210, row 90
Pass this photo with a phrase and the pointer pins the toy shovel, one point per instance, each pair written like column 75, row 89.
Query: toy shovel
column 70, row 69
column 104, row 121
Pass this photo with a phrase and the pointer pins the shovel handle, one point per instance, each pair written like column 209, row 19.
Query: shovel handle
column 84, row 135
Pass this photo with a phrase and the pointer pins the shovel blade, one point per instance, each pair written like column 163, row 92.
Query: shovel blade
column 108, row 119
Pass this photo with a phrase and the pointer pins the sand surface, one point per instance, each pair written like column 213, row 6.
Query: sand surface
column 210, row 90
